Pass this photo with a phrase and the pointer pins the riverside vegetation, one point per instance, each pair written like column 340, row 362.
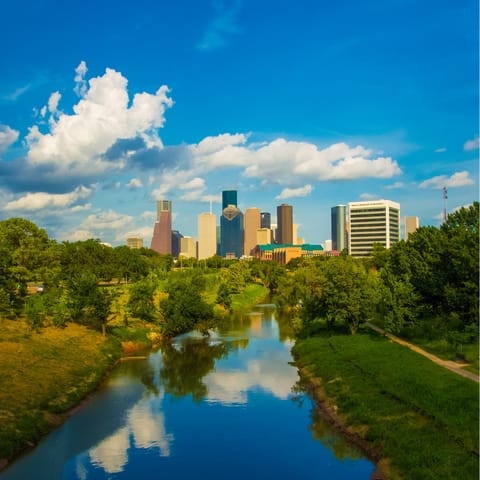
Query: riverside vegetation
column 96, row 302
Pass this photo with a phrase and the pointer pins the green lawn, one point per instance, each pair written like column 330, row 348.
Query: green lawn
column 423, row 418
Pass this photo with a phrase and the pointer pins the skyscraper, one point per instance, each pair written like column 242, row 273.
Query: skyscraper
column 162, row 231
column 251, row 225
column 176, row 239
column 265, row 220
column 229, row 197
column 411, row 224
column 231, row 235
column 339, row 233
column 372, row 222
column 285, row 224
column 207, row 235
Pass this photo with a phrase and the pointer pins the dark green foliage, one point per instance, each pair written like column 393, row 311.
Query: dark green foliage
column 223, row 296
column 88, row 303
column 141, row 300
column 184, row 309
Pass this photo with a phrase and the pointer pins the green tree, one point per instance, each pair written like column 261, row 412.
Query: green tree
column 141, row 300
column 185, row 308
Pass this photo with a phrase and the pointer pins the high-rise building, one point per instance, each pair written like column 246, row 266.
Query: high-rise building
column 265, row 220
column 176, row 238
column 207, row 235
column 285, row 224
column 229, row 197
column 231, row 235
column 411, row 224
column 162, row 231
column 339, row 231
column 135, row 242
column 188, row 247
column 264, row 236
column 372, row 222
column 251, row 225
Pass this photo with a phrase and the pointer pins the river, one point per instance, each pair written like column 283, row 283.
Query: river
column 225, row 406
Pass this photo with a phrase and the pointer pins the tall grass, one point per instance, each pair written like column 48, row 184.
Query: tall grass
column 423, row 418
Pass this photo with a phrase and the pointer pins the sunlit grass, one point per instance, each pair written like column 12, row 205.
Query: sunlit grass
column 44, row 374
column 423, row 417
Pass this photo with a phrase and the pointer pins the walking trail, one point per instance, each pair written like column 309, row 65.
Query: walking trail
column 453, row 366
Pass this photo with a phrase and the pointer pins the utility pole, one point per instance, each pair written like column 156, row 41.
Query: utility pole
column 444, row 189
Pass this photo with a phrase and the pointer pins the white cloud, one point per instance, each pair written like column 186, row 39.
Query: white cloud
column 440, row 150
column 80, row 82
column 295, row 192
column 42, row 200
column 134, row 183
column 395, row 186
column 75, row 144
column 472, row 144
column 458, row 179
column 194, row 184
column 8, row 136
column 53, row 102
column 368, row 196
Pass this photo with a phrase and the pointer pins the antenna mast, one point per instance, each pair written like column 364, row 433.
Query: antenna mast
column 444, row 189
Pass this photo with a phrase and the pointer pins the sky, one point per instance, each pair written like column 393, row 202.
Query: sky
column 107, row 106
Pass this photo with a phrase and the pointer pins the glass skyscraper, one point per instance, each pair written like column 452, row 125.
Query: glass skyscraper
column 231, row 226
column 339, row 232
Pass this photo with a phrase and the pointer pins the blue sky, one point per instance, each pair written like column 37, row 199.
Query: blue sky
column 107, row 106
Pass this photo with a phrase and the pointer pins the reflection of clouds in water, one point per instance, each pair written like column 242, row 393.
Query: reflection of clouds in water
column 145, row 425
column 268, row 373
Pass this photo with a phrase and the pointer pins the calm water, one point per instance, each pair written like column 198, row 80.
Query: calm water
column 223, row 407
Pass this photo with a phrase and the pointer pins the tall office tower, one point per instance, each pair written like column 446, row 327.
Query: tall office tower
column 251, row 225
column 372, row 222
column 265, row 220
column 207, row 235
column 162, row 232
column 231, row 235
column 176, row 238
column 264, row 236
column 134, row 242
column 411, row 224
column 285, row 224
column 339, row 231
column 229, row 197
column 188, row 247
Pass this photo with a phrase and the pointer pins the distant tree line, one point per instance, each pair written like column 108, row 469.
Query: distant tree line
column 426, row 286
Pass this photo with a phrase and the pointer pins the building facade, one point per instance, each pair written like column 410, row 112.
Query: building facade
column 176, row 238
column 411, row 224
column 229, row 197
column 188, row 247
column 372, row 222
column 265, row 220
column 251, row 226
column 207, row 235
column 231, row 232
column 284, row 253
column 134, row 242
column 162, row 231
column 339, row 231
column 284, row 224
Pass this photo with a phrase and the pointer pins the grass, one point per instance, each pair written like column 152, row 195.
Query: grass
column 421, row 417
column 252, row 294
column 45, row 374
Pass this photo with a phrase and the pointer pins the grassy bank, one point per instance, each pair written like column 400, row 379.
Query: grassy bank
column 43, row 375
column 419, row 416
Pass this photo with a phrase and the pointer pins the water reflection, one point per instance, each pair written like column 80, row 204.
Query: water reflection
column 166, row 416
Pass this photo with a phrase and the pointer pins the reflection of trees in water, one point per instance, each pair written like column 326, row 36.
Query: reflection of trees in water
column 185, row 366
column 286, row 330
column 323, row 430
column 143, row 371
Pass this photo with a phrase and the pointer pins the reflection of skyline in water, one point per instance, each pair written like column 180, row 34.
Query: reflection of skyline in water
column 166, row 416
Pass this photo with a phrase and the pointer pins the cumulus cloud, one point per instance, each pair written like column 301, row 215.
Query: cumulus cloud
column 458, row 179
column 80, row 82
column 8, row 136
column 76, row 144
column 395, row 186
column 472, row 144
column 134, row 183
column 368, row 196
column 42, row 200
column 53, row 102
column 295, row 192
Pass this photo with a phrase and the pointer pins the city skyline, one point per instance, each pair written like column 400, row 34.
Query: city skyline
column 313, row 104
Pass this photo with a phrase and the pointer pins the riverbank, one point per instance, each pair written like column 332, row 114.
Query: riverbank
column 44, row 375
column 413, row 418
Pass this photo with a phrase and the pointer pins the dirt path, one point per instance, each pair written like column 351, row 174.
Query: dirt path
column 453, row 366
